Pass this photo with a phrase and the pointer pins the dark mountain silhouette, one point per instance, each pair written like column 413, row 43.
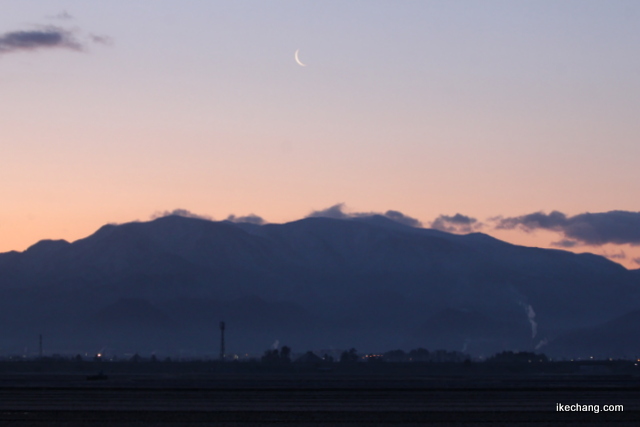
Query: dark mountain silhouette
column 473, row 332
column 366, row 282
column 615, row 338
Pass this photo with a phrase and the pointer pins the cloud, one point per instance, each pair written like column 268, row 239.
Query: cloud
column 47, row 38
column 456, row 224
column 251, row 219
column 180, row 212
column 565, row 243
column 554, row 221
column 334, row 212
column 337, row 212
column 402, row 218
column 106, row 40
column 617, row 227
column 63, row 16
column 636, row 260
column 620, row 255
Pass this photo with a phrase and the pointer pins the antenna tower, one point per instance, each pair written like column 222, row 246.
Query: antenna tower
column 221, row 341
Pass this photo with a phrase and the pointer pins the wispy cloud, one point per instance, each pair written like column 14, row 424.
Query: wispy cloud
column 402, row 218
column 46, row 38
column 565, row 243
column 617, row 227
column 337, row 212
column 251, row 219
column 62, row 16
column 619, row 255
column 457, row 223
column 180, row 212
column 106, row 40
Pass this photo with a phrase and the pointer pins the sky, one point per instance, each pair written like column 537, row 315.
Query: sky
column 516, row 119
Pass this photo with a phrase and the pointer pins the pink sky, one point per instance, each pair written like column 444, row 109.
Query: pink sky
column 429, row 108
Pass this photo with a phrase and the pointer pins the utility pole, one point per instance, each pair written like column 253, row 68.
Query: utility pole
column 222, row 341
column 40, row 352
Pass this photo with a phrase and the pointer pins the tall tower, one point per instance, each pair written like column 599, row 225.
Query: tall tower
column 221, row 341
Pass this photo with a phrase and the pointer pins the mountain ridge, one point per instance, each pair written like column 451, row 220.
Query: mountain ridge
column 366, row 282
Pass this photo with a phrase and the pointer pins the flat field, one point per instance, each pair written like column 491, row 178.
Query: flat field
column 314, row 399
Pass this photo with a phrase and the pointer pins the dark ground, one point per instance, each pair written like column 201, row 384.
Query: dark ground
column 313, row 399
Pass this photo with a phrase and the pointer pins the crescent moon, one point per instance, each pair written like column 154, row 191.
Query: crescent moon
column 295, row 55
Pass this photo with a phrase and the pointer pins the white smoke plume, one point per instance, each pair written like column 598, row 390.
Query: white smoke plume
column 275, row 344
column 542, row 343
column 532, row 315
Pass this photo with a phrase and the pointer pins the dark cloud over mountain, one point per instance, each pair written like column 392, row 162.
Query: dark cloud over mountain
column 180, row 212
column 617, row 227
column 402, row 218
column 251, row 219
column 337, row 212
column 565, row 243
column 334, row 212
column 456, row 224
column 619, row 255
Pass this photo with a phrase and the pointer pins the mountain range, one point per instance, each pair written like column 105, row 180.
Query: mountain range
column 318, row 283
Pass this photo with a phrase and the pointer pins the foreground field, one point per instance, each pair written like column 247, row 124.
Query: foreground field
column 327, row 399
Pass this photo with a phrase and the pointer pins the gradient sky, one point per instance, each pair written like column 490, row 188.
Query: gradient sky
column 483, row 108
